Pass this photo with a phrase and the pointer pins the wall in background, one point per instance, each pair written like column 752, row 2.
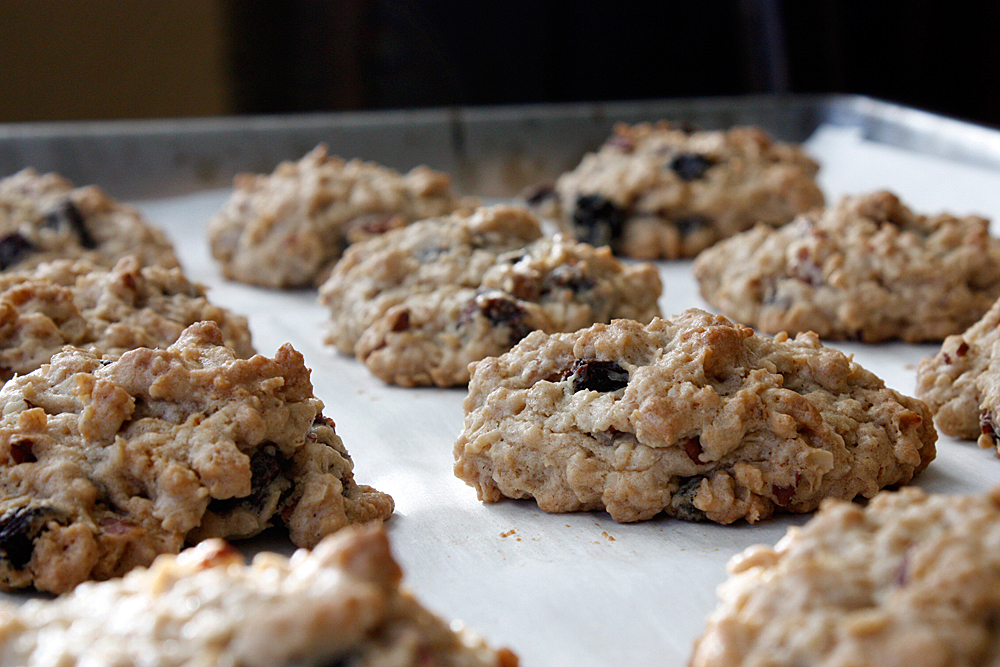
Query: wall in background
column 147, row 58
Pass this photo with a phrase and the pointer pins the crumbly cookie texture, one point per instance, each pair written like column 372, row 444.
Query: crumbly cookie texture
column 911, row 580
column 340, row 604
column 107, row 464
column 693, row 416
column 961, row 383
column 418, row 304
column 660, row 191
column 44, row 217
column 288, row 228
column 868, row 269
column 78, row 303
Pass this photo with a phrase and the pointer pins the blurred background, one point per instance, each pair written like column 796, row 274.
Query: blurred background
column 91, row 59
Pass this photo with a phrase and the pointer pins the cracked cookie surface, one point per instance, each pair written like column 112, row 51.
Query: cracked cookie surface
column 868, row 269
column 106, row 464
column 44, row 217
column 910, row 580
column 417, row 305
column 693, row 416
column 288, row 228
column 340, row 604
column 657, row 191
column 78, row 303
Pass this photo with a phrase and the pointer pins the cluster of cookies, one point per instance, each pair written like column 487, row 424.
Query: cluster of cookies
column 136, row 418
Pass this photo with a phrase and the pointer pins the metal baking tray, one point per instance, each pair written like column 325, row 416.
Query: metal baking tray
column 574, row 589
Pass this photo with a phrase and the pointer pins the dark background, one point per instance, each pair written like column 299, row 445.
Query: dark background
column 140, row 59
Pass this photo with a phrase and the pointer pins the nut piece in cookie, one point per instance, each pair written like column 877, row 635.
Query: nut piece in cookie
column 693, row 416
column 44, row 217
column 868, row 269
column 288, row 228
column 961, row 383
column 911, row 579
column 418, row 304
column 79, row 303
column 660, row 191
column 340, row 604
column 105, row 464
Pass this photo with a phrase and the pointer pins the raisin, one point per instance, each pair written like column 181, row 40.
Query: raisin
column 66, row 214
column 22, row 451
column 682, row 501
column 691, row 223
column 567, row 276
column 691, row 166
column 19, row 528
column 539, row 194
column 987, row 426
column 692, row 447
column 597, row 220
column 596, row 375
column 501, row 311
column 265, row 467
column 783, row 494
column 13, row 248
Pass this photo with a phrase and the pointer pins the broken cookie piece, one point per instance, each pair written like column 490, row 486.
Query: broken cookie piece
column 106, row 464
column 692, row 416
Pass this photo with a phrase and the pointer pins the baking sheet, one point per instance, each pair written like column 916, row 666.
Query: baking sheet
column 571, row 589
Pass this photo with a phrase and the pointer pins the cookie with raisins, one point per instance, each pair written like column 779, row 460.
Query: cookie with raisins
column 79, row 303
column 961, row 382
column 867, row 269
column 288, row 228
column 44, row 217
column 418, row 304
column 910, row 579
column 657, row 191
column 692, row 416
column 105, row 464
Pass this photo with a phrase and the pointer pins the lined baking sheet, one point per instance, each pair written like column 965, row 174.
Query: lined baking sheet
column 575, row 589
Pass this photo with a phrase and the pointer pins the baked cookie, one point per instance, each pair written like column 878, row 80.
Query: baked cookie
column 43, row 217
column 660, row 191
column 287, row 229
column 868, row 269
column 106, row 464
column 341, row 604
column 418, row 304
column 693, row 416
column 911, row 580
column 78, row 303
column 961, row 383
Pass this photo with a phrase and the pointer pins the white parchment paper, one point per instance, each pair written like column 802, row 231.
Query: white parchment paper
column 575, row 589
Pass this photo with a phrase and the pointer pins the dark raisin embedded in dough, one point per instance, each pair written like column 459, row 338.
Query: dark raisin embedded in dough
column 682, row 502
column 692, row 447
column 691, row 166
column 539, row 194
column 988, row 426
column 501, row 310
column 19, row 529
column 22, row 451
column 14, row 248
column 690, row 224
column 567, row 276
column 596, row 375
column 961, row 351
column 266, row 466
column 597, row 220
column 66, row 214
